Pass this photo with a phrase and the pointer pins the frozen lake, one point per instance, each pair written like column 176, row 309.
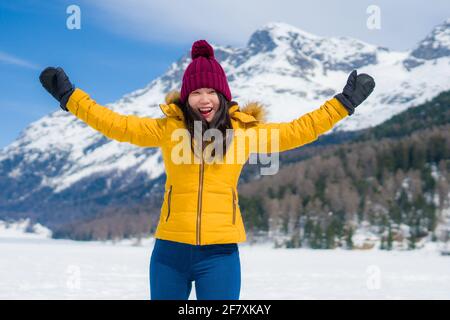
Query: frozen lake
column 33, row 268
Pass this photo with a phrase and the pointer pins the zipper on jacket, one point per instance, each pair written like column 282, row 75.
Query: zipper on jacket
column 199, row 204
column 168, row 202
column 234, row 206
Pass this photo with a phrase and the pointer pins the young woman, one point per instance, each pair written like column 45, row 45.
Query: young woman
column 200, row 222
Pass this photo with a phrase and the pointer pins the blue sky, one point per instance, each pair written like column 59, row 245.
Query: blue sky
column 123, row 45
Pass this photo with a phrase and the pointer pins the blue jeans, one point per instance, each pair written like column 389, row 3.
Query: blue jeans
column 215, row 269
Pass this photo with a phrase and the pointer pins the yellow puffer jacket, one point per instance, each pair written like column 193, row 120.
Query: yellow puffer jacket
column 200, row 204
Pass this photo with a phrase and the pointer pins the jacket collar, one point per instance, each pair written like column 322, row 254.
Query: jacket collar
column 252, row 112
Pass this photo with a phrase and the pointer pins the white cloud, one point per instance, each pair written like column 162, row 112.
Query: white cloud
column 10, row 59
column 173, row 21
column 231, row 22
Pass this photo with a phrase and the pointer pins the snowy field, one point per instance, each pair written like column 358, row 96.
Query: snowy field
column 35, row 267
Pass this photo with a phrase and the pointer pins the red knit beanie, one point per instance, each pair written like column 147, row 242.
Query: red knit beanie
column 203, row 72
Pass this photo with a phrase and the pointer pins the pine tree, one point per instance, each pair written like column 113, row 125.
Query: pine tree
column 317, row 237
column 329, row 240
column 389, row 239
column 349, row 240
column 412, row 241
column 383, row 243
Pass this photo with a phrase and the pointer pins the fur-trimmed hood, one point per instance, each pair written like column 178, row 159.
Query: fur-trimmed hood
column 252, row 112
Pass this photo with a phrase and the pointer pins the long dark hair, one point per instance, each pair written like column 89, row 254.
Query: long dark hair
column 221, row 121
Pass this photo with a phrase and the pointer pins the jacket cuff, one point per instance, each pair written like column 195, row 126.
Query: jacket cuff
column 74, row 99
column 346, row 103
column 64, row 99
column 340, row 107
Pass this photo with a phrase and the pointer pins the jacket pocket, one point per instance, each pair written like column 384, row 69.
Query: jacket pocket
column 169, row 196
column 234, row 205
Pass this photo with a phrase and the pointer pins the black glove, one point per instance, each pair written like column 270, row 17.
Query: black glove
column 56, row 82
column 357, row 89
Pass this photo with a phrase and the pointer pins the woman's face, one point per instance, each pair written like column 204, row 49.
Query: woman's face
column 205, row 101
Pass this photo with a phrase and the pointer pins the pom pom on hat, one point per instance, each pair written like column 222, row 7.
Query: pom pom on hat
column 201, row 48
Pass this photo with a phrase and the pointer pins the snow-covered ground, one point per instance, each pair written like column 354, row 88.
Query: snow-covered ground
column 43, row 268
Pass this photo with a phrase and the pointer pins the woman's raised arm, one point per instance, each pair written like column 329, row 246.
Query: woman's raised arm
column 279, row 137
column 283, row 136
column 144, row 132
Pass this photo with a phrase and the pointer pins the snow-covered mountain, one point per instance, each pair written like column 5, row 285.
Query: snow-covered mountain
column 59, row 162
